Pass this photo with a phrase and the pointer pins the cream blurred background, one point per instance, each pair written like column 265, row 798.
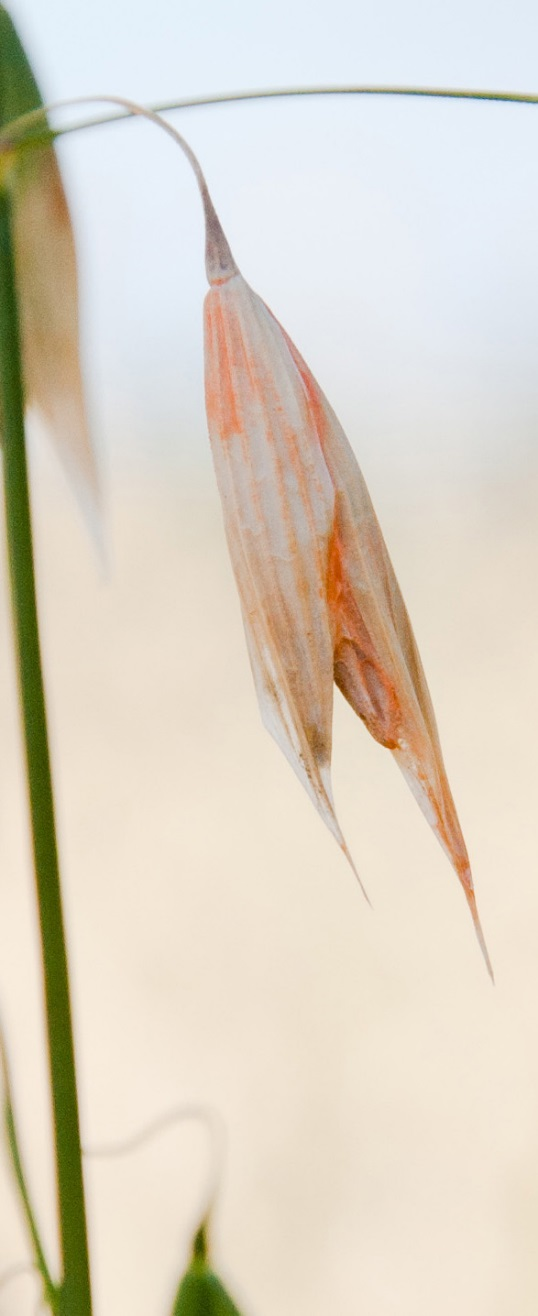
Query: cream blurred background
column 380, row 1098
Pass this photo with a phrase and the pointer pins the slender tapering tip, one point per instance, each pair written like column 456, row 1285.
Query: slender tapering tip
column 471, row 901
column 219, row 262
column 345, row 850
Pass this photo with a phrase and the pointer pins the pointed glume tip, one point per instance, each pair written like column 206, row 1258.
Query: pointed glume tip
column 471, row 900
column 345, row 850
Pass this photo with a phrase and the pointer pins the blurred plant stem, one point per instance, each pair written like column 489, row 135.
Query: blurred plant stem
column 75, row 1296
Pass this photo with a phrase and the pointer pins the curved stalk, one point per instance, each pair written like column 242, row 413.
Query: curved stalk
column 31, row 121
column 219, row 259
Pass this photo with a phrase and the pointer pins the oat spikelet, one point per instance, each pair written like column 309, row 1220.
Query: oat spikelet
column 319, row 596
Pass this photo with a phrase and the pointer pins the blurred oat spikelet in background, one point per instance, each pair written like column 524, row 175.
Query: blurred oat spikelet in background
column 47, row 279
column 319, row 596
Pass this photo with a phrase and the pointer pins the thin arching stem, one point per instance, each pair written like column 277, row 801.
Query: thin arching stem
column 219, row 260
column 208, row 1117
column 272, row 93
column 33, row 128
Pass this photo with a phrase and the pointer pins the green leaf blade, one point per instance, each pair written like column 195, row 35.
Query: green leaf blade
column 19, row 92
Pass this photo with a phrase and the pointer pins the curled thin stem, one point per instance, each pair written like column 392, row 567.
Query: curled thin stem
column 220, row 264
column 35, row 117
column 219, row 260
column 16, row 1271
column 207, row 1116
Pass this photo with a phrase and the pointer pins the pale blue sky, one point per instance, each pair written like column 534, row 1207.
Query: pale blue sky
column 396, row 241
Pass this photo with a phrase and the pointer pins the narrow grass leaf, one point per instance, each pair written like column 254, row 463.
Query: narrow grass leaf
column 51, row 1291
column 47, row 279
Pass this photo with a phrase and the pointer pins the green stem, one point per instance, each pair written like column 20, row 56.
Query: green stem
column 75, row 1298
column 27, row 121
column 29, row 124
